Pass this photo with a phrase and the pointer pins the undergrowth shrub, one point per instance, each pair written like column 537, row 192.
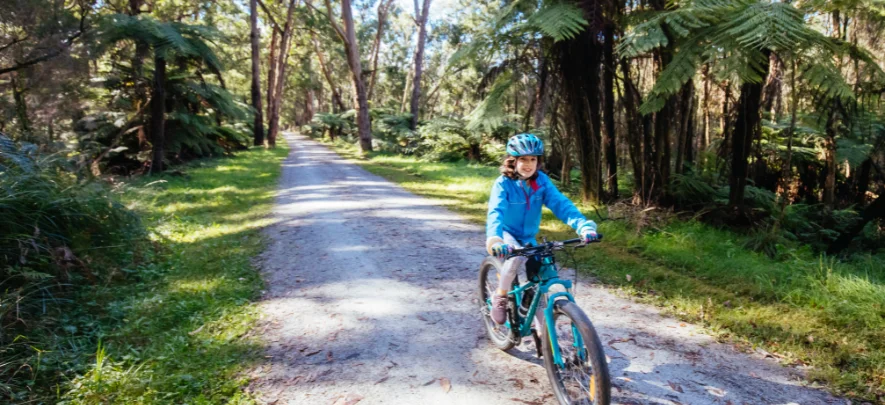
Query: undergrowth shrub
column 59, row 231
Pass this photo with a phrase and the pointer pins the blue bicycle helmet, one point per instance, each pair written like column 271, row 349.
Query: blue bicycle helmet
column 525, row 145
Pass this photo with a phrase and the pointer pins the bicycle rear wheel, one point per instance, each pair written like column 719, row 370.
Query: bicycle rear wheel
column 583, row 378
column 502, row 336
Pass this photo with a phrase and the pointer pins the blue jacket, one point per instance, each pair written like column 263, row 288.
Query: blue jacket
column 515, row 208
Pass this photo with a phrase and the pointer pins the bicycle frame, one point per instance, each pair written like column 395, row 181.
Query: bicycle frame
column 547, row 277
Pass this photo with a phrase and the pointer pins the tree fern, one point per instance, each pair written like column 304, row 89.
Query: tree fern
column 490, row 112
column 559, row 21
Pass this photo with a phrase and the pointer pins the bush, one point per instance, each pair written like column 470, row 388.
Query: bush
column 58, row 232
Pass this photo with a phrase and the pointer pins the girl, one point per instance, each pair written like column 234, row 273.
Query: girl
column 515, row 211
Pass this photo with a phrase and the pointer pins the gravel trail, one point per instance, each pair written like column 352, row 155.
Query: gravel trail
column 371, row 299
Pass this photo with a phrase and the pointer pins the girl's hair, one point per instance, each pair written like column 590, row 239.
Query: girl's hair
column 508, row 167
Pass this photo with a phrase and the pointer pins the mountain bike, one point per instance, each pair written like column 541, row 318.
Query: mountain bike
column 568, row 343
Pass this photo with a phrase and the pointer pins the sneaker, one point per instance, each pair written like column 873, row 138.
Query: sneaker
column 499, row 309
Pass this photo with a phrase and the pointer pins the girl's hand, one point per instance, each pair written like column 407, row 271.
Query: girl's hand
column 589, row 236
column 501, row 249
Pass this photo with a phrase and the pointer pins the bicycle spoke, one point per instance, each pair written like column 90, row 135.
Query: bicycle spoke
column 576, row 375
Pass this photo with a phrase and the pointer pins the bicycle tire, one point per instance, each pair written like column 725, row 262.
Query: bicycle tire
column 502, row 337
column 598, row 389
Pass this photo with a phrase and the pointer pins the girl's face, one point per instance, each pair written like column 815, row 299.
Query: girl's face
column 526, row 166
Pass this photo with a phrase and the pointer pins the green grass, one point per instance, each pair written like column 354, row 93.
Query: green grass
column 181, row 333
column 806, row 309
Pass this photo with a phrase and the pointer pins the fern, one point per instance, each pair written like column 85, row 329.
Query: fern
column 559, row 21
column 490, row 112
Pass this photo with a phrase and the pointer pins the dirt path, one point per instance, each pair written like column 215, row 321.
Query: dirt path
column 371, row 298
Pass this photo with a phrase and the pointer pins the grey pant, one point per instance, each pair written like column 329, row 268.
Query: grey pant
column 511, row 268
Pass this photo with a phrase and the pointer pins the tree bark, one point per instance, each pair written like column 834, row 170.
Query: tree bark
column 608, row 78
column 21, row 109
column 829, row 192
column 635, row 132
column 579, row 62
column 337, row 104
column 282, row 62
column 686, row 132
column 348, row 35
column 158, row 111
column 746, row 126
column 272, row 73
column 383, row 9
column 421, row 20
column 258, row 123
column 541, row 96
column 704, row 136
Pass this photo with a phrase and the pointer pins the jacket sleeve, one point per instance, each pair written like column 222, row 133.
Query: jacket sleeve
column 565, row 210
column 495, row 218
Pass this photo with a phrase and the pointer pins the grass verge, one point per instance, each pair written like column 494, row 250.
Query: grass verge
column 178, row 334
column 805, row 310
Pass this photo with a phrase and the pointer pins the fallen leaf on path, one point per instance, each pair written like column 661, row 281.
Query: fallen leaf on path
column 525, row 402
column 313, row 352
column 446, row 384
column 329, row 356
column 382, row 379
column 675, row 386
column 754, row 375
column 682, row 325
column 429, row 382
column 652, row 356
column 517, row 383
column 715, row 391
column 422, row 318
column 349, row 399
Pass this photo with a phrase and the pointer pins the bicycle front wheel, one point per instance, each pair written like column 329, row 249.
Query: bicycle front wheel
column 583, row 376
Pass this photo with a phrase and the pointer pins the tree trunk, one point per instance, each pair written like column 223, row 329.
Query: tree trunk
column 383, row 8
column 608, row 78
column 158, row 111
column 579, row 62
column 272, row 72
column 541, row 96
column 863, row 182
column 421, row 20
column 704, row 137
column 635, row 131
column 829, row 192
column 258, row 124
column 21, row 108
column 337, row 104
column 282, row 62
column 353, row 60
column 686, row 132
column 746, row 126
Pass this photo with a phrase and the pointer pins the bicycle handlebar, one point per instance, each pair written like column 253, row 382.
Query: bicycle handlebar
column 554, row 245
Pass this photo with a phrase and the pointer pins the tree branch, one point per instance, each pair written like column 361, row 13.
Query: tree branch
column 273, row 21
column 53, row 53
column 14, row 41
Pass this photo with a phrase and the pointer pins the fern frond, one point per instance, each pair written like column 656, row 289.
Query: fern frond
column 490, row 112
column 559, row 21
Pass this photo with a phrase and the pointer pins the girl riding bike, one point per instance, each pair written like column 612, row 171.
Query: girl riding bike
column 514, row 215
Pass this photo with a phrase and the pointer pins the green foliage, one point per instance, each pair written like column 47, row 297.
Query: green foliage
column 559, row 21
column 391, row 132
column 60, row 234
column 490, row 113
column 178, row 332
column 735, row 36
